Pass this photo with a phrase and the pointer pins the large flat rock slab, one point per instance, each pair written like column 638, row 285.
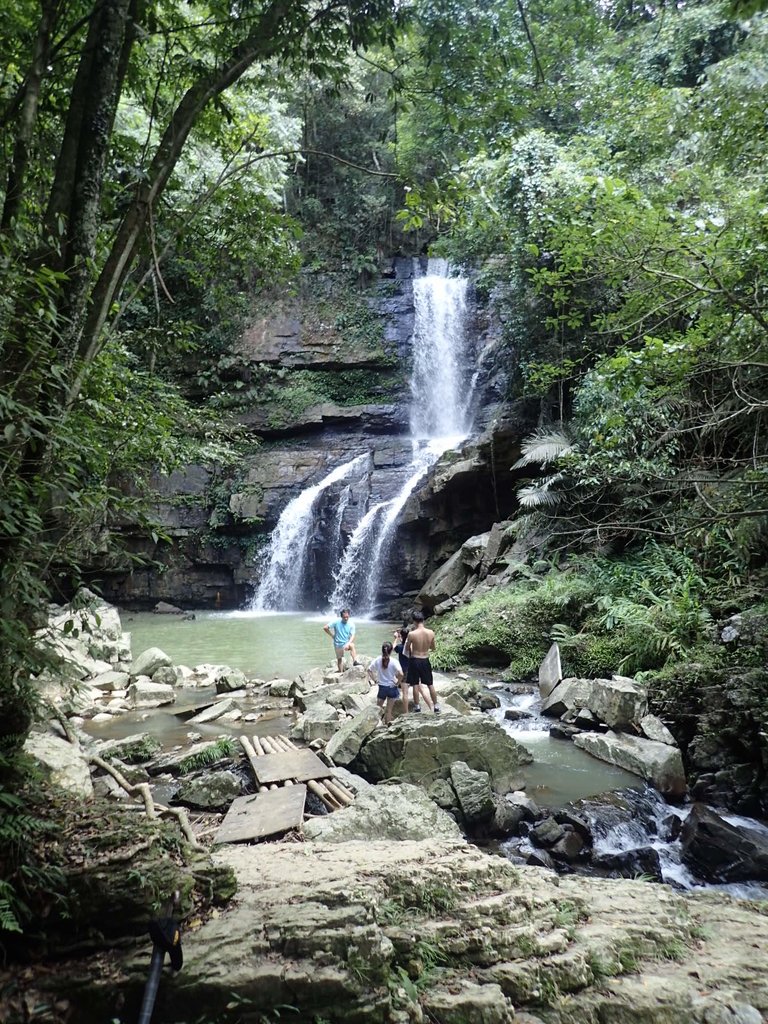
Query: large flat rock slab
column 325, row 928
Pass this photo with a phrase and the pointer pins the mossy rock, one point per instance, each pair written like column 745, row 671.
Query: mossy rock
column 108, row 871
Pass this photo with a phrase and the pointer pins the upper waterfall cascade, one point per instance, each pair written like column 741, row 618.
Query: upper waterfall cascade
column 441, row 387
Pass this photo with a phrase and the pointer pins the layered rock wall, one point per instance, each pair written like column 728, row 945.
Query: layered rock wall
column 319, row 379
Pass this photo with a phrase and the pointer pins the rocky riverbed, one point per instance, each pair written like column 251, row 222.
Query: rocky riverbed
column 382, row 911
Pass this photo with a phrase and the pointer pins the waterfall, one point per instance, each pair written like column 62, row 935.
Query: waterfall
column 355, row 559
column 441, row 389
column 441, row 393
column 280, row 586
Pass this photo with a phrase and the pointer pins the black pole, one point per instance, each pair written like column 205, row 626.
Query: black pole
column 153, row 982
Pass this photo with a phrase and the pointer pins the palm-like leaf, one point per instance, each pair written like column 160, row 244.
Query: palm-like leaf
column 543, row 448
column 541, row 493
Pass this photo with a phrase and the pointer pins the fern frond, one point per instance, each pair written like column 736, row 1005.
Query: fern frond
column 543, row 448
column 541, row 493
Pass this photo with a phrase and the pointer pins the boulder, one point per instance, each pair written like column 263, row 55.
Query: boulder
column 215, row 711
column 110, row 680
column 132, row 749
column 145, row 694
column 64, row 762
column 641, row 860
column 163, row 608
column 211, row 791
column 94, row 619
column 506, row 818
column 550, row 671
column 569, row 847
column 659, row 763
column 344, row 746
column 499, row 539
column 619, row 702
column 172, row 761
column 352, row 682
column 530, row 811
column 445, row 582
column 568, row 695
column 312, row 680
column 558, row 731
column 229, row 679
column 206, row 675
column 473, row 790
column 654, row 729
column 149, row 661
column 443, row 794
column 547, row 832
column 166, row 675
column 319, row 722
column 354, row 703
column 721, row 852
column 385, row 813
column 422, row 748
column 281, row 687
column 516, row 715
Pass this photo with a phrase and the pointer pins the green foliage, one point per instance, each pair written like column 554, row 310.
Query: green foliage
column 222, row 748
column 516, row 622
column 345, row 191
column 629, row 614
column 87, row 221
column 28, row 876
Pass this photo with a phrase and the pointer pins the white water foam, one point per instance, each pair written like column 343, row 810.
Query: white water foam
column 281, row 583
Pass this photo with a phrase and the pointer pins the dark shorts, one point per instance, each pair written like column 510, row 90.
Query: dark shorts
column 419, row 671
column 387, row 693
column 404, row 659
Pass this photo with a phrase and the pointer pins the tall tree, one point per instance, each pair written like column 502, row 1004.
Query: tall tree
column 73, row 225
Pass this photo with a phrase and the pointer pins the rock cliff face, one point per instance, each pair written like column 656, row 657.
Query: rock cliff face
column 320, row 379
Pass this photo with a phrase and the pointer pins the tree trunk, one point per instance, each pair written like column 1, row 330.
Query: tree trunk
column 30, row 101
column 263, row 41
column 95, row 109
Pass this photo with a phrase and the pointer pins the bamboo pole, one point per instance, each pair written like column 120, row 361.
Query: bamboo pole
column 338, row 792
column 330, row 802
column 334, row 795
column 150, row 807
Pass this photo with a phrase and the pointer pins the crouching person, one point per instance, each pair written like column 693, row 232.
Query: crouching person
column 385, row 671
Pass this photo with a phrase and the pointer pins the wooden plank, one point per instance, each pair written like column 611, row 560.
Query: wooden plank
column 262, row 815
column 192, row 709
column 301, row 765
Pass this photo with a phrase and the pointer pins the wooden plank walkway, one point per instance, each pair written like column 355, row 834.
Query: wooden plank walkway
column 299, row 765
column 264, row 814
column 333, row 793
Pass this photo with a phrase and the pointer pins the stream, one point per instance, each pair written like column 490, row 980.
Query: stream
column 637, row 820
column 624, row 813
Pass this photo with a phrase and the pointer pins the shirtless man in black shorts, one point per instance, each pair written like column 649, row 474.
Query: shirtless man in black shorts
column 419, row 643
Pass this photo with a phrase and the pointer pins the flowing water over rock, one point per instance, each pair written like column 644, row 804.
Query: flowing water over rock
column 441, row 388
column 630, row 822
column 280, row 586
